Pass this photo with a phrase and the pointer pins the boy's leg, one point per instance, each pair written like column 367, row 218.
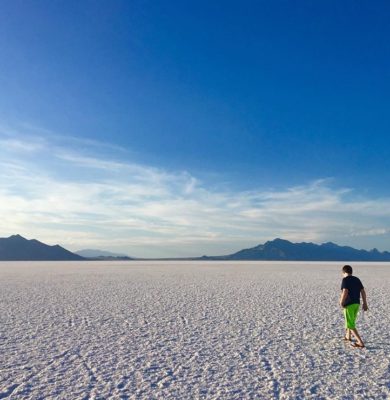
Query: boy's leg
column 357, row 336
column 347, row 330
column 350, row 313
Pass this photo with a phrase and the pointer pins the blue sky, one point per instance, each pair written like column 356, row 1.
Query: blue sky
column 184, row 128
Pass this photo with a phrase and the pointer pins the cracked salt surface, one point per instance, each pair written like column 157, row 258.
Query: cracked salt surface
column 188, row 330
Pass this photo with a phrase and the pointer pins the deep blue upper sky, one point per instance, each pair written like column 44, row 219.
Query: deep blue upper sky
column 264, row 91
column 256, row 93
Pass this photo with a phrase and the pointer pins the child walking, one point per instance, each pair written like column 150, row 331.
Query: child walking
column 351, row 288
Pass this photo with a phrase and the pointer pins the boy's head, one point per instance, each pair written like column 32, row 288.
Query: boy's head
column 347, row 269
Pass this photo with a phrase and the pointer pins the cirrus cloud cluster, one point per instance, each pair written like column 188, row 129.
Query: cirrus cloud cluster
column 86, row 194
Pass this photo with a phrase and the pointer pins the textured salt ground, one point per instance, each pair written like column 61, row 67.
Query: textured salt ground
column 142, row 330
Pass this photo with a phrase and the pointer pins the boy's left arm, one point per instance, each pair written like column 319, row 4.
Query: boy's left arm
column 343, row 297
column 365, row 306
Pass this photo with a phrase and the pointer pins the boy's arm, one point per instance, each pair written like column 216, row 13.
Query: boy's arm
column 343, row 297
column 364, row 296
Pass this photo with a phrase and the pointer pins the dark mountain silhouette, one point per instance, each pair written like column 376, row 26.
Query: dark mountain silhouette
column 17, row 248
column 103, row 255
column 283, row 250
column 92, row 253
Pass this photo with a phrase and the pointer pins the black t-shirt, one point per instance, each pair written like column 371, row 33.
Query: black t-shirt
column 354, row 286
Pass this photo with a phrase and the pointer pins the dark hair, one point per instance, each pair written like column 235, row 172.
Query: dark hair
column 347, row 269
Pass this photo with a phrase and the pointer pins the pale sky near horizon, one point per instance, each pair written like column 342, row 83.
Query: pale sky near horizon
column 188, row 128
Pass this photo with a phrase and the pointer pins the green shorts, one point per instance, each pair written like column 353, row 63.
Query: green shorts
column 350, row 314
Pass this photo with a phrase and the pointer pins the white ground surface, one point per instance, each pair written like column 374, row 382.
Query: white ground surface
column 139, row 330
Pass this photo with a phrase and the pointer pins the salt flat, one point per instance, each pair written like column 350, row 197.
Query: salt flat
column 188, row 330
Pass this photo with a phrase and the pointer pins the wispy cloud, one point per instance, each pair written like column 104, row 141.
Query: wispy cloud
column 81, row 198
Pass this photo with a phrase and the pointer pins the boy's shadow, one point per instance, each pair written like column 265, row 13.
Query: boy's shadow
column 378, row 346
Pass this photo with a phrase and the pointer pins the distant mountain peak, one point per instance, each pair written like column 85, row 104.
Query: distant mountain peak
column 18, row 237
column 278, row 240
column 94, row 253
column 329, row 244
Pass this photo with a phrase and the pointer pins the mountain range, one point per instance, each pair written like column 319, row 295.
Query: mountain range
column 283, row 250
column 93, row 254
column 17, row 248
